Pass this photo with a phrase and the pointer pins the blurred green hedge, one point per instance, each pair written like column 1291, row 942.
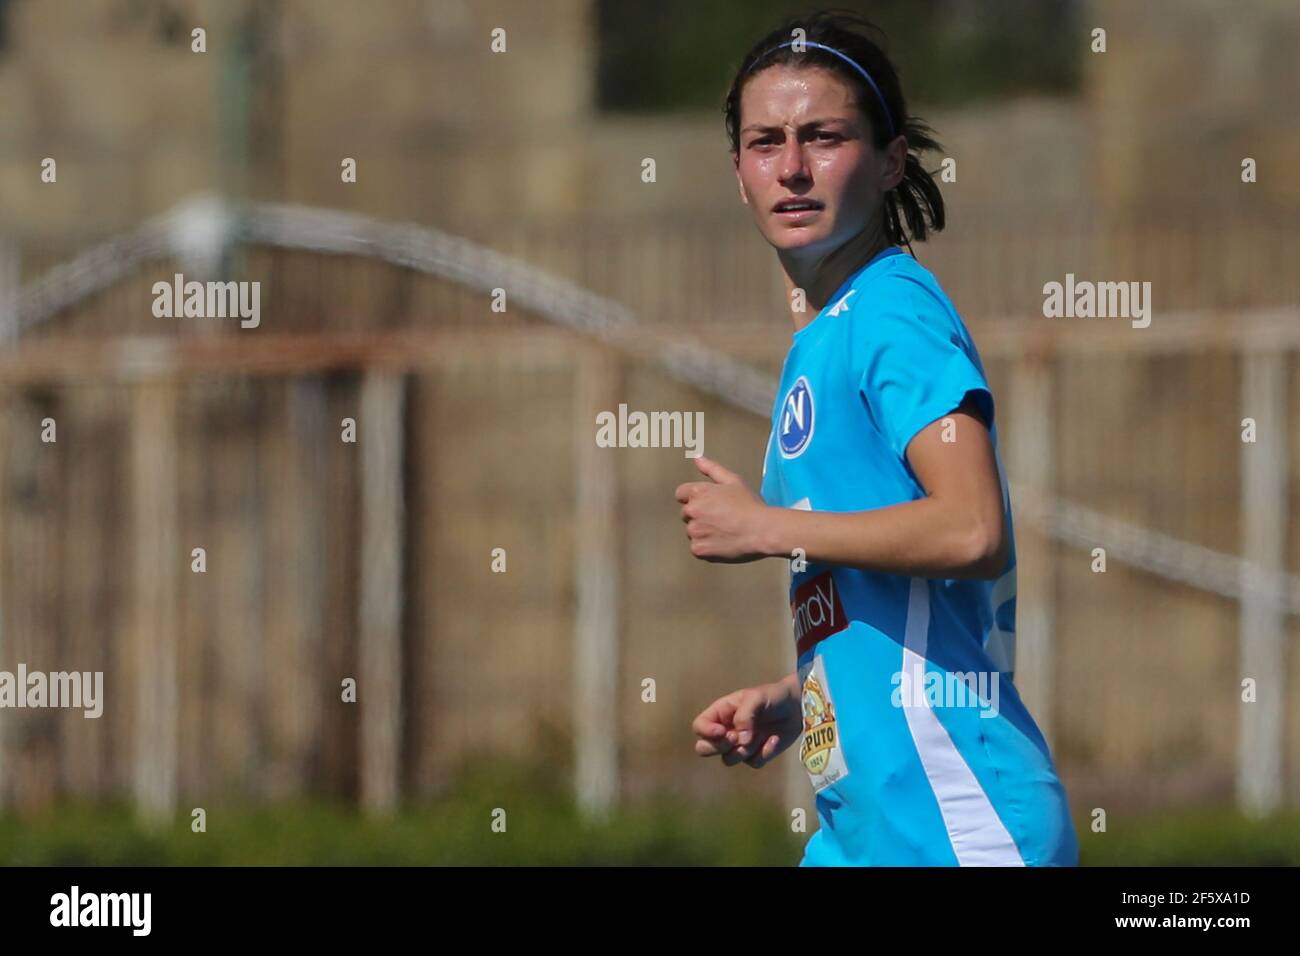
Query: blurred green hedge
column 545, row 828
column 680, row 55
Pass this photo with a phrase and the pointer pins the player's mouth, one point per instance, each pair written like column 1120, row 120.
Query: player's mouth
column 797, row 210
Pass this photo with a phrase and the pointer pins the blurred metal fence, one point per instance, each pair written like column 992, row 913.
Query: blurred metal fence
column 330, row 560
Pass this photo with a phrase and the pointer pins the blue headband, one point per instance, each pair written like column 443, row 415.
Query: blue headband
column 851, row 62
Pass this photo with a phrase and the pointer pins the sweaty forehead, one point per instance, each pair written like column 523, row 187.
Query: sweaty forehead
column 785, row 94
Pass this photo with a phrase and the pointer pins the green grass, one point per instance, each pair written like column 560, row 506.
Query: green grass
column 1202, row 838
column 545, row 828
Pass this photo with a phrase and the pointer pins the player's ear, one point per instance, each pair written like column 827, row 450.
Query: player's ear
column 895, row 168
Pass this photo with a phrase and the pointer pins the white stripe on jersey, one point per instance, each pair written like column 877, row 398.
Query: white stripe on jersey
column 975, row 831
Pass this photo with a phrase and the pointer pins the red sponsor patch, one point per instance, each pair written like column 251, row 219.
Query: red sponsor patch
column 817, row 612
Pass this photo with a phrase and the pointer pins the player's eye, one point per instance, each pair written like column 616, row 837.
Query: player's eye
column 825, row 136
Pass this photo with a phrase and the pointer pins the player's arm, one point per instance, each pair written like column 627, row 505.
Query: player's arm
column 956, row 531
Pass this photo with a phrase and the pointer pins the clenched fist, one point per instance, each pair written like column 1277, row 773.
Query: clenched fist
column 724, row 519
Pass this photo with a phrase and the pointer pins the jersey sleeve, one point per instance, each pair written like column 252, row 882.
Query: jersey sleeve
column 916, row 366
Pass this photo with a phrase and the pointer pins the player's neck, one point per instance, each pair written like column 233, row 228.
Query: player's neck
column 820, row 276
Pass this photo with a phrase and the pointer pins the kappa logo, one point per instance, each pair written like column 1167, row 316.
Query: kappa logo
column 841, row 305
column 795, row 428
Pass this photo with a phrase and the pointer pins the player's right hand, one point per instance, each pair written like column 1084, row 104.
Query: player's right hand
column 749, row 726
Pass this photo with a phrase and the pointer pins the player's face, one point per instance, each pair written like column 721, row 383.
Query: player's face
column 802, row 136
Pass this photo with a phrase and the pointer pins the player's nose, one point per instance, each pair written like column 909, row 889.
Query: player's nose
column 793, row 167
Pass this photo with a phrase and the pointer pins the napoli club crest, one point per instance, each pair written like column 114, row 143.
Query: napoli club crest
column 795, row 429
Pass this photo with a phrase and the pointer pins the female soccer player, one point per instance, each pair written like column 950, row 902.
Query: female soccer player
column 882, row 485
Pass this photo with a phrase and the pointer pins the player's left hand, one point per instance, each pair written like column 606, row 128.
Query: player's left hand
column 724, row 519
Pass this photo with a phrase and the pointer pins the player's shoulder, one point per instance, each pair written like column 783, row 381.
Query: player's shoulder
column 895, row 293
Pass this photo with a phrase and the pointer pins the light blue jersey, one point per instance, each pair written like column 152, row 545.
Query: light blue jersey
column 915, row 739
